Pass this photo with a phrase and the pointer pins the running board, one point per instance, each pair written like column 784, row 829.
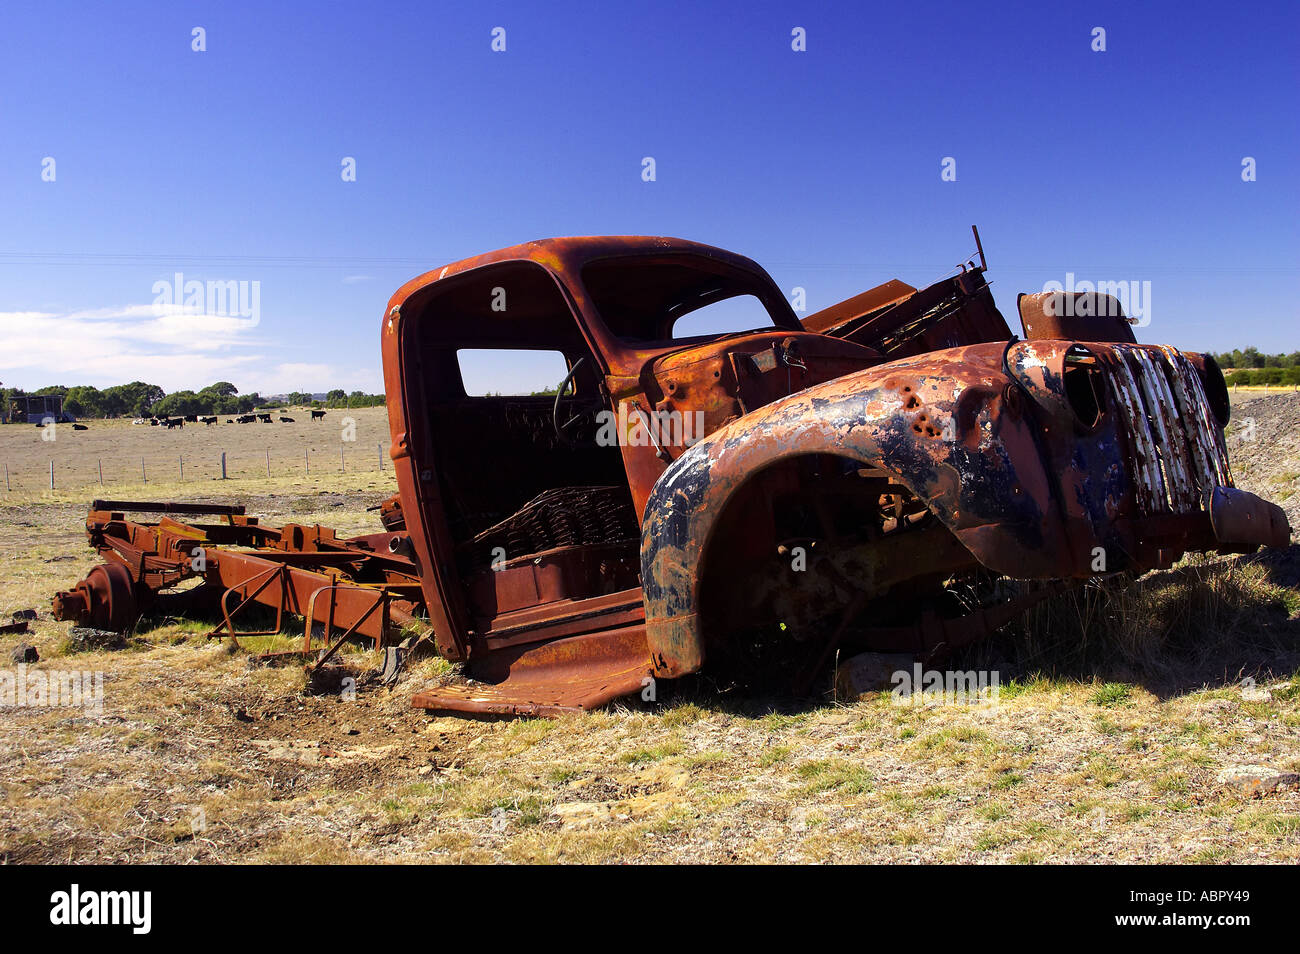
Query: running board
column 567, row 675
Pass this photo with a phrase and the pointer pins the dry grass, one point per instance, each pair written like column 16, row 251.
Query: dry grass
column 120, row 446
column 1056, row 772
column 1207, row 618
column 1104, row 747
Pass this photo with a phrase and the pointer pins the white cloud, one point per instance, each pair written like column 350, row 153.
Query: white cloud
column 299, row 376
column 164, row 345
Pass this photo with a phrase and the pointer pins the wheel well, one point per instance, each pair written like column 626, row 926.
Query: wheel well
column 806, row 538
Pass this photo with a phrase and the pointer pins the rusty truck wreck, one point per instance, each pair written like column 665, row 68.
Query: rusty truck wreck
column 898, row 472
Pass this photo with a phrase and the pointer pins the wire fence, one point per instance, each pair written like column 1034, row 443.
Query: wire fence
column 85, row 472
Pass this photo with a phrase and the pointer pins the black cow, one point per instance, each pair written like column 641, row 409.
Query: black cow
column 247, row 418
column 79, row 427
column 174, row 422
column 286, row 420
column 192, row 418
column 317, row 415
column 264, row 418
column 208, row 420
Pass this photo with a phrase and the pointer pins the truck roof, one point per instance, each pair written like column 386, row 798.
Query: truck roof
column 570, row 253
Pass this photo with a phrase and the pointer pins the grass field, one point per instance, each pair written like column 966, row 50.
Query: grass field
column 1109, row 751
column 133, row 454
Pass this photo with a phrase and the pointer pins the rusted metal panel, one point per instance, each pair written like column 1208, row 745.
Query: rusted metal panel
column 1242, row 519
column 565, row 675
column 859, row 307
column 1074, row 316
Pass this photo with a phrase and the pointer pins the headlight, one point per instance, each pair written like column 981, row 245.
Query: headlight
column 1065, row 379
column 1216, row 388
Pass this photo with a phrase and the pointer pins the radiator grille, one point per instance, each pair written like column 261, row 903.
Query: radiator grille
column 1179, row 457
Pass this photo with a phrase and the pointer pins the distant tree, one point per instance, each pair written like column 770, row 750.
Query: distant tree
column 136, row 399
column 84, row 402
column 179, row 403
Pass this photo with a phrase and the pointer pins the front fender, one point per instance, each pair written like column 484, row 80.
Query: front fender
column 939, row 422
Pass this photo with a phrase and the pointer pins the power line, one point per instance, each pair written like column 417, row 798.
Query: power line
column 426, row 264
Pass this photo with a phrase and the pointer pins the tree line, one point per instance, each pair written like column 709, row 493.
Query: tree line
column 335, row 398
column 1249, row 366
column 139, row 399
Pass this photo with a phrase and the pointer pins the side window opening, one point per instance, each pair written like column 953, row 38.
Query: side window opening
column 511, row 372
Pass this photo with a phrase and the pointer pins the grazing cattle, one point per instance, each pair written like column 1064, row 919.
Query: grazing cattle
column 286, row 420
column 208, row 421
column 246, row 418
column 264, row 418
column 79, row 427
column 192, row 418
column 174, row 422
column 153, row 422
column 229, row 421
column 317, row 415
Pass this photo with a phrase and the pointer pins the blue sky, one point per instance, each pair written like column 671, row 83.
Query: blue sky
column 823, row 165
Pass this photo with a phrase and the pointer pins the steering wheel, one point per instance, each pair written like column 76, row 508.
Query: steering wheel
column 562, row 429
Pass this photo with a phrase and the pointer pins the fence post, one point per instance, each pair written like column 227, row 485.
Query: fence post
column 223, row 465
column 380, row 447
column 343, row 464
column 144, row 474
column 101, row 472
column 268, row 462
column 51, row 474
column 6, row 475
column 181, row 458
column 306, row 461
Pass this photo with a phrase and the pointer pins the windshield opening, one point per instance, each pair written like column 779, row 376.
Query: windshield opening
column 660, row 299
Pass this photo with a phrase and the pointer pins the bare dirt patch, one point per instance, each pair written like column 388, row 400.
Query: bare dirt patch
column 1264, row 444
